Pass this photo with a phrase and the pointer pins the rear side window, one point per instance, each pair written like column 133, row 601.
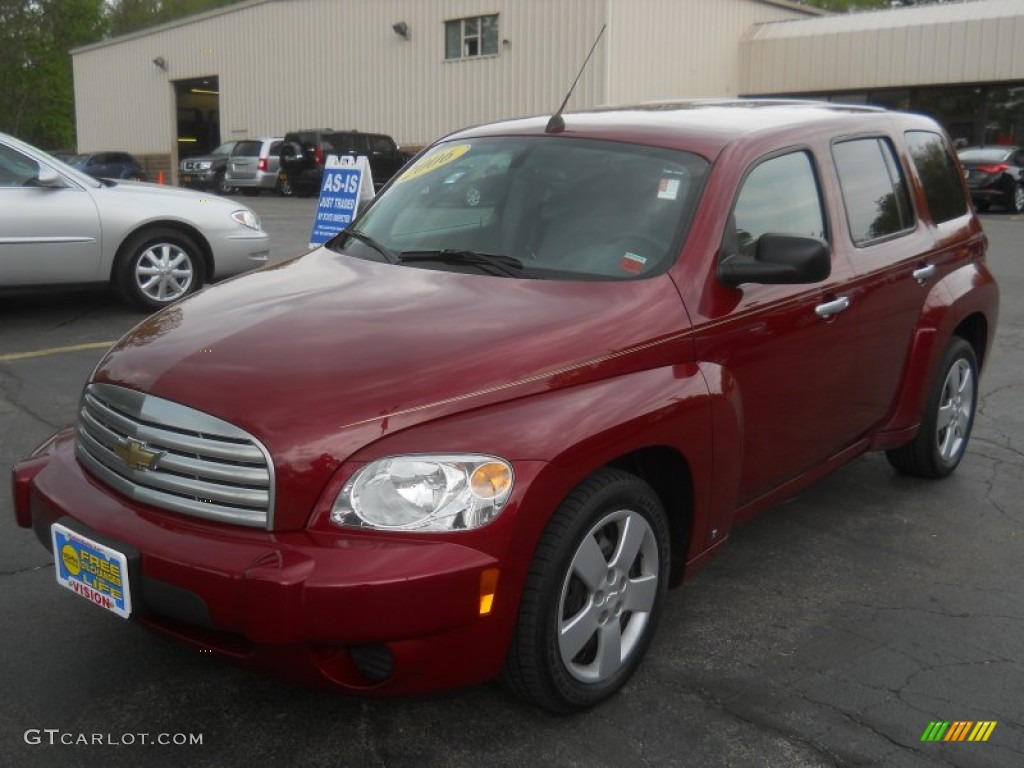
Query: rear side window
column 782, row 196
column 248, row 149
column 874, row 190
column 943, row 187
column 381, row 144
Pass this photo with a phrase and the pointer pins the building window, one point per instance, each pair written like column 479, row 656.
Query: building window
column 475, row 36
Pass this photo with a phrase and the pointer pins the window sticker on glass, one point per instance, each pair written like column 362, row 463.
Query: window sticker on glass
column 433, row 161
column 632, row 262
column 668, row 189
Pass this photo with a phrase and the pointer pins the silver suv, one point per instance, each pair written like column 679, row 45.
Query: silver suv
column 253, row 166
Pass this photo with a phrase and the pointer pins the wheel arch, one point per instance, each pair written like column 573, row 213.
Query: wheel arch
column 965, row 305
column 192, row 232
column 669, row 475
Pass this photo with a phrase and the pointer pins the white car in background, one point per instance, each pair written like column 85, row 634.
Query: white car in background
column 155, row 243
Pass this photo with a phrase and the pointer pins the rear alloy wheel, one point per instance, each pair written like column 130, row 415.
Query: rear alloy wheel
column 1016, row 201
column 946, row 427
column 595, row 589
column 159, row 266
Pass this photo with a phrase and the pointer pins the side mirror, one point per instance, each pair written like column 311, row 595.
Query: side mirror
column 779, row 260
column 47, row 177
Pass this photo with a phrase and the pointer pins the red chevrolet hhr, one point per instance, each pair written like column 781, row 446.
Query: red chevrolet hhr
column 532, row 386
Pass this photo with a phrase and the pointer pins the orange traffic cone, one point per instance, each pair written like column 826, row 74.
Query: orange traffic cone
column 160, row 177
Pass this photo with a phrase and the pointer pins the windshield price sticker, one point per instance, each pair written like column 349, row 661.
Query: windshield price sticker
column 91, row 570
column 339, row 201
column 433, row 161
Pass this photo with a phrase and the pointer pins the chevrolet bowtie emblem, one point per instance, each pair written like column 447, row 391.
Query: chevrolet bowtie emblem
column 135, row 455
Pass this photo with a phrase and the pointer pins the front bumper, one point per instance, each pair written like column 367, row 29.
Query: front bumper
column 196, row 179
column 366, row 613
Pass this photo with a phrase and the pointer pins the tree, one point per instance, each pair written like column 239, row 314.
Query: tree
column 36, row 93
column 131, row 15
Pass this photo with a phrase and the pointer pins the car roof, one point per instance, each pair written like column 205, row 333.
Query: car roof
column 707, row 126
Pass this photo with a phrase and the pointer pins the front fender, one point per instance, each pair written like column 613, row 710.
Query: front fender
column 558, row 438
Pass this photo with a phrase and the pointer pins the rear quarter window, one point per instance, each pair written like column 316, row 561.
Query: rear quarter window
column 939, row 175
column 874, row 190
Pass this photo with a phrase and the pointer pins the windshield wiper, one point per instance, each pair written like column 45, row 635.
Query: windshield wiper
column 383, row 250
column 493, row 263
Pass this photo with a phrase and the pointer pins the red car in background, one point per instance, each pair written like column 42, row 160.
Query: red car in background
column 480, row 436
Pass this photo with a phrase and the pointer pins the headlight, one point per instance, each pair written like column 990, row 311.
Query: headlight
column 203, row 166
column 248, row 218
column 425, row 493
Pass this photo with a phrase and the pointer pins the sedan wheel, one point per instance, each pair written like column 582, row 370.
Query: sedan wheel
column 946, row 427
column 158, row 267
column 596, row 586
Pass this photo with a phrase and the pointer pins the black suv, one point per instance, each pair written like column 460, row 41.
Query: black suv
column 303, row 154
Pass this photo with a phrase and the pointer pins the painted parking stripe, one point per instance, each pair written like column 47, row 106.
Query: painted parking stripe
column 55, row 351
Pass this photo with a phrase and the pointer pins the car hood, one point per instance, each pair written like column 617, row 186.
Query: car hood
column 321, row 355
column 204, row 159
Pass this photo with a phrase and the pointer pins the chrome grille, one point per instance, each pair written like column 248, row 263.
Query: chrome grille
column 173, row 457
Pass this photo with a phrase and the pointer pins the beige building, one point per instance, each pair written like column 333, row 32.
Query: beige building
column 417, row 69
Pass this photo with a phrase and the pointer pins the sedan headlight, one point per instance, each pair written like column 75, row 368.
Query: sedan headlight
column 248, row 218
column 425, row 493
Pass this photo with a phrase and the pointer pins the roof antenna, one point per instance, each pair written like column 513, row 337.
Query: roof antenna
column 556, row 123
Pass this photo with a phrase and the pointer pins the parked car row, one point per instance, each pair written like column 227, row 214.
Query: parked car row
column 288, row 165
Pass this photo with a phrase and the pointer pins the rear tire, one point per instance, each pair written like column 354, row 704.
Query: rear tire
column 949, row 416
column 1015, row 198
column 593, row 595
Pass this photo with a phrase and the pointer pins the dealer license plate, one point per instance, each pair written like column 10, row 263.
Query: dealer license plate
column 91, row 570
column 186, row 179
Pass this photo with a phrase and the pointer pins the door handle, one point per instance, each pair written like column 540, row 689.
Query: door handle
column 923, row 273
column 833, row 307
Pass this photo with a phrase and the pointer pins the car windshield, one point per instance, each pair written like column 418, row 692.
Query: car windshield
column 985, row 155
column 561, row 208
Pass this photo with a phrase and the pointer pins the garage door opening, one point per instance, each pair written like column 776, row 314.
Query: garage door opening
column 198, row 106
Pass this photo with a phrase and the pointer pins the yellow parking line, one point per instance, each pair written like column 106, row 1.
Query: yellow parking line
column 55, row 351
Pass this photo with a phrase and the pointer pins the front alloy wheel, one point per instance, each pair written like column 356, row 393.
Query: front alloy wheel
column 593, row 595
column 608, row 595
column 158, row 267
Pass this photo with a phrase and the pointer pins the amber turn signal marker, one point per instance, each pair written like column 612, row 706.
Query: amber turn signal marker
column 488, row 586
column 490, row 480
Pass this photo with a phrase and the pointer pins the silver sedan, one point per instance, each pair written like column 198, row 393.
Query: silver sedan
column 155, row 243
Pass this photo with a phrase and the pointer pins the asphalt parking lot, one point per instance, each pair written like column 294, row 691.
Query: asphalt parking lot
column 832, row 630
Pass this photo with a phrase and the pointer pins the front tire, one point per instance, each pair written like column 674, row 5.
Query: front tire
column 593, row 595
column 221, row 186
column 946, row 426
column 157, row 267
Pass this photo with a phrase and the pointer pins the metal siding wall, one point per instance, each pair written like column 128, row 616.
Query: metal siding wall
column 337, row 63
column 969, row 45
column 670, row 49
